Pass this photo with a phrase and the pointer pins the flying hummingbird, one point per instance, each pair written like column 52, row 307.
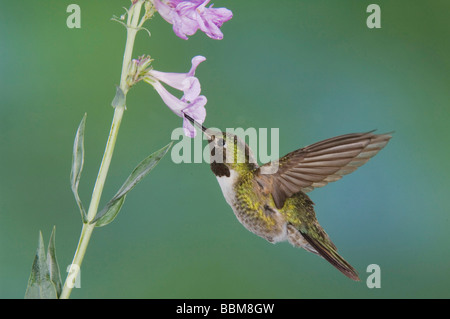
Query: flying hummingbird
column 274, row 205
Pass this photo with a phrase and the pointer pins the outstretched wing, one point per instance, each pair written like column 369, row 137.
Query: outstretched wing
column 318, row 164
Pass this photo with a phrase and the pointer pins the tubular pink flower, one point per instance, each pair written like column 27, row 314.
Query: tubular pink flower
column 189, row 16
column 192, row 103
column 185, row 82
column 195, row 108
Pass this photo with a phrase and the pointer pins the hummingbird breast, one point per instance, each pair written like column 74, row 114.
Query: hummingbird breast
column 254, row 210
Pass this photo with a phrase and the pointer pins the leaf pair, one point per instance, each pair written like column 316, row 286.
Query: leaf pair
column 112, row 208
column 45, row 279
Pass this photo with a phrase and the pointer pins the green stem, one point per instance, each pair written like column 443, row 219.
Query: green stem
column 86, row 231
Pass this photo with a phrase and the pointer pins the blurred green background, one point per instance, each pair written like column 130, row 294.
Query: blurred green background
column 311, row 68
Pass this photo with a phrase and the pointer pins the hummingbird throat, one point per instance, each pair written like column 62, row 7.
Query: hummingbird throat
column 220, row 169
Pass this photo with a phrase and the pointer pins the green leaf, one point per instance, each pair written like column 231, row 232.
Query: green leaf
column 77, row 165
column 107, row 215
column 142, row 170
column 40, row 285
column 52, row 263
column 110, row 211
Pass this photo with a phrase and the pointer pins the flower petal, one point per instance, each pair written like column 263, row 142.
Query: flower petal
column 211, row 21
column 183, row 27
column 195, row 62
column 174, row 104
column 189, row 16
column 189, row 129
column 197, row 111
column 164, row 10
column 192, row 89
column 176, row 80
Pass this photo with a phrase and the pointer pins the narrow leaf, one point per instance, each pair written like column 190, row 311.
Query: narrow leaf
column 77, row 164
column 39, row 284
column 52, row 263
column 110, row 212
column 112, row 208
column 142, row 170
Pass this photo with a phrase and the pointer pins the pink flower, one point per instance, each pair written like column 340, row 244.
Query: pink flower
column 192, row 103
column 189, row 16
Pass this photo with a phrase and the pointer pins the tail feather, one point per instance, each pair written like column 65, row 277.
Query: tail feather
column 331, row 255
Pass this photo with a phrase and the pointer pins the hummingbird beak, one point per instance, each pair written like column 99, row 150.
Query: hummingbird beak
column 195, row 123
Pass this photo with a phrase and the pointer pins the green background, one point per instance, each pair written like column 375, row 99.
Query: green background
column 311, row 68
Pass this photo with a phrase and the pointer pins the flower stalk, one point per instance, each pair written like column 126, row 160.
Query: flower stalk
column 186, row 16
column 133, row 26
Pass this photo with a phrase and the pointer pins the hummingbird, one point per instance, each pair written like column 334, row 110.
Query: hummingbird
column 273, row 204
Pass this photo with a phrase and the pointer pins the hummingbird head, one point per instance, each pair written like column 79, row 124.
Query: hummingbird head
column 227, row 151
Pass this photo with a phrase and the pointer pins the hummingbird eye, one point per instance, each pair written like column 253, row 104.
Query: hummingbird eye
column 221, row 142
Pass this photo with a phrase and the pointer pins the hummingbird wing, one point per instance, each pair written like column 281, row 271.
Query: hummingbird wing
column 318, row 164
column 305, row 231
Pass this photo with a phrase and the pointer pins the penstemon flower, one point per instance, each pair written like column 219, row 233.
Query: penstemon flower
column 192, row 103
column 189, row 16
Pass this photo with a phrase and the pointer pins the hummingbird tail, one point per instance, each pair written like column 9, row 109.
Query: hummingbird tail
column 330, row 254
